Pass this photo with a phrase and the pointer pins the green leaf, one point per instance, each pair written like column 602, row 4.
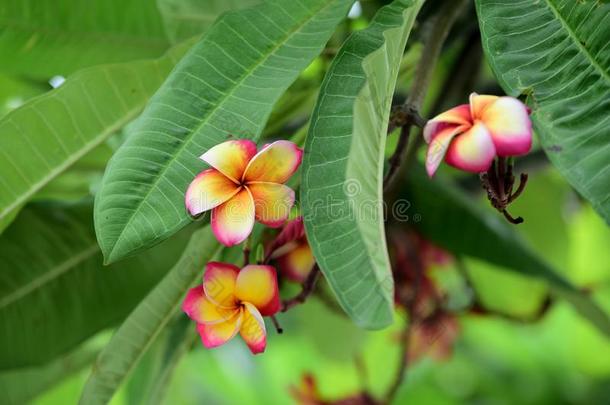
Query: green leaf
column 48, row 134
column 556, row 52
column 77, row 182
column 343, row 166
column 22, row 385
column 448, row 217
column 54, row 290
column 151, row 378
column 43, row 38
column 184, row 19
column 142, row 328
column 226, row 86
column 14, row 92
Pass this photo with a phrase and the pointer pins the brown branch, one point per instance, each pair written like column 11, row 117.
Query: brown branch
column 438, row 29
column 409, row 303
column 308, row 287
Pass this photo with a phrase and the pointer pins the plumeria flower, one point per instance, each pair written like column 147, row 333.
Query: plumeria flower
column 244, row 185
column 292, row 253
column 470, row 136
column 232, row 301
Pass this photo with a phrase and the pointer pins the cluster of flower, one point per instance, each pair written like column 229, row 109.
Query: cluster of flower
column 242, row 186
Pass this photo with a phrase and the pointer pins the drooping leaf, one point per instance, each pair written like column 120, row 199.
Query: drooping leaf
column 448, row 217
column 143, row 326
column 184, row 19
column 54, row 290
column 342, row 169
column 556, row 52
column 225, row 87
column 45, row 136
column 43, row 38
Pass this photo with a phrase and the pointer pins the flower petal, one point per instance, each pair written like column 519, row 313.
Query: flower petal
column 213, row 335
column 459, row 115
column 508, row 121
column 202, row 310
column 472, row 151
column 219, row 282
column 232, row 221
column 274, row 163
column 253, row 329
column 257, row 284
column 439, row 145
column 231, row 157
column 478, row 104
column 209, row 189
column 272, row 202
column 297, row 263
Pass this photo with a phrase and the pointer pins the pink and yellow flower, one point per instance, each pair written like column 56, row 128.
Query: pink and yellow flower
column 470, row 136
column 292, row 253
column 232, row 301
column 243, row 186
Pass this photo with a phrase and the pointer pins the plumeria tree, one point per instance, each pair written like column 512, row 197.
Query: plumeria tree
column 354, row 189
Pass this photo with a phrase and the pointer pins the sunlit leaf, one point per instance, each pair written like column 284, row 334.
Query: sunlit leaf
column 48, row 134
column 224, row 87
column 556, row 52
column 43, row 38
column 343, row 166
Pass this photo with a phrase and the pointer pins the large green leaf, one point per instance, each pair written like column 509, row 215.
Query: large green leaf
column 54, row 290
column 186, row 18
column 151, row 316
column 45, row 136
column 226, row 86
column 556, row 52
column 343, row 166
column 77, row 181
column 447, row 216
column 43, row 38
column 21, row 385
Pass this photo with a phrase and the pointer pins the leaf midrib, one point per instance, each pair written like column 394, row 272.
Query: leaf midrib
column 576, row 40
column 47, row 277
column 237, row 84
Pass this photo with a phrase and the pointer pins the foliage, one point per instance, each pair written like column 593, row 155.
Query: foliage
column 107, row 105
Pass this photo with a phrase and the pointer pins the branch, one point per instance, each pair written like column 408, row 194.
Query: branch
column 308, row 287
column 409, row 303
